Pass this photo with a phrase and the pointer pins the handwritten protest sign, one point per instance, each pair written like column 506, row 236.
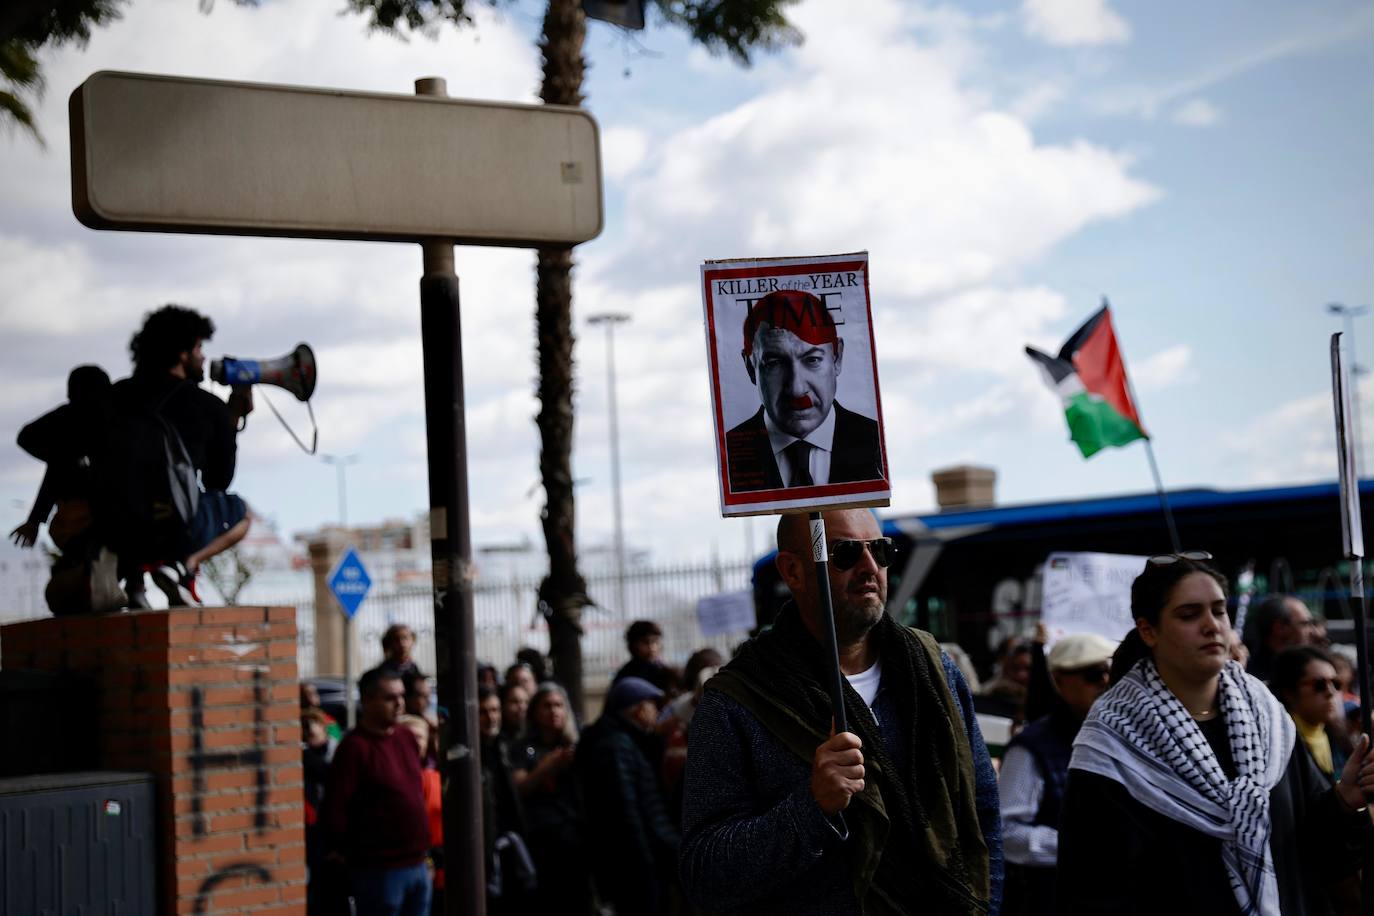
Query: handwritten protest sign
column 794, row 384
column 728, row 612
column 1089, row 593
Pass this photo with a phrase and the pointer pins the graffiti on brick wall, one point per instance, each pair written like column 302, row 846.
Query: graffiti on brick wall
column 203, row 760
column 247, row 870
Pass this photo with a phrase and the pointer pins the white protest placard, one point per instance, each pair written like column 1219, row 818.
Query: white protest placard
column 794, row 384
column 728, row 612
column 1089, row 593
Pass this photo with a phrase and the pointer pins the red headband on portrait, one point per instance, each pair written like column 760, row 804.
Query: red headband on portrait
column 792, row 310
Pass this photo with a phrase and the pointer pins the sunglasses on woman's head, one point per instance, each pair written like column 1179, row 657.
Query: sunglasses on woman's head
column 1319, row 684
column 1164, row 559
column 844, row 554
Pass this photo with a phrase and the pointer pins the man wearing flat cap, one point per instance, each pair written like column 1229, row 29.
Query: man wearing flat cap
column 1036, row 768
column 631, row 840
column 801, row 436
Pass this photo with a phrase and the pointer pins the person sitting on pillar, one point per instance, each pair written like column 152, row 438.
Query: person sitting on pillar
column 169, row 365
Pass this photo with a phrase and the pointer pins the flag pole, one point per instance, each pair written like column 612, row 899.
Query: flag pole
column 1159, row 488
column 1150, row 453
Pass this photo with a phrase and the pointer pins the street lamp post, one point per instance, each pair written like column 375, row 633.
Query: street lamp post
column 341, row 462
column 1348, row 314
column 610, row 320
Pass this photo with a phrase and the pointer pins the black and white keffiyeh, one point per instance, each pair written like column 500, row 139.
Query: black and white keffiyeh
column 1139, row 735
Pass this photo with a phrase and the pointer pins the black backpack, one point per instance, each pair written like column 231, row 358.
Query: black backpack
column 147, row 487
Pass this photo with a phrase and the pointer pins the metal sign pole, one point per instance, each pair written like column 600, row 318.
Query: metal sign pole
column 1352, row 525
column 349, row 711
column 1352, row 538
column 349, row 584
column 820, row 555
column 451, row 554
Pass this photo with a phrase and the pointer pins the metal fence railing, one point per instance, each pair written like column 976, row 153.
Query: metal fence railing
column 505, row 618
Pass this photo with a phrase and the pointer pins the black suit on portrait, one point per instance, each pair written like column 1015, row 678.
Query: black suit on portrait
column 854, row 455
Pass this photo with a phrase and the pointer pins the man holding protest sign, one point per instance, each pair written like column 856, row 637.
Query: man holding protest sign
column 834, row 765
column 899, row 814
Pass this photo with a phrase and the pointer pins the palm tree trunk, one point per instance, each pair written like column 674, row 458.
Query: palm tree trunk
column 563, row 593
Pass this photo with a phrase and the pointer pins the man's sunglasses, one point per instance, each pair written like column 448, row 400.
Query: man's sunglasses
column 1319, row 684
column 1165, row 559
column 844, row 554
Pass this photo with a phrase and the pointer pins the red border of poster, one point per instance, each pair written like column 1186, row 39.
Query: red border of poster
column 731, row 386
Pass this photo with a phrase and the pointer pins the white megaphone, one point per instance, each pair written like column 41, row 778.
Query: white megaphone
column 295, row 372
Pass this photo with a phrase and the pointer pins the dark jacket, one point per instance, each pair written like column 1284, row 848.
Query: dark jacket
column 633, row 843
column 755, row 841
column 1118, row 857
column 656, row 673
column 200, row 418
column 1049, row 741
column 501, row 808
column 856, row 455
column 134, row 508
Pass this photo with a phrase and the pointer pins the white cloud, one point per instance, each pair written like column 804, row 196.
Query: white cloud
column 1297, row 440
column 1304, row 427
column 834, row 155
column 1037, row 99
column 1074, row 22
column 622, row 150
column 1324, row 30
column 1197, row 112
column 1168, row 368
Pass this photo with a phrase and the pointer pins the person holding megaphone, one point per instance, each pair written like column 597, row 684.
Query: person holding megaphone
column 169, row 432
column 144, row 466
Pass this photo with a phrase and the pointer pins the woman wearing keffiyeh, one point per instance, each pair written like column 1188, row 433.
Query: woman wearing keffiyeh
column 1188, row 791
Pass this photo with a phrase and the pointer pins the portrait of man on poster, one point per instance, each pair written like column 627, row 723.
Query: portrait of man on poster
column 801, row 436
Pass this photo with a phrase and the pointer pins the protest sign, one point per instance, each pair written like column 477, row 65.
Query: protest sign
column 794, row 384
column 728, row 612
column 1089, row 593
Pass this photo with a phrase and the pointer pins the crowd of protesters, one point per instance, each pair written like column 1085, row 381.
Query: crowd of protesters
column 1187, row 768
column 578, row 818
column 583, row 817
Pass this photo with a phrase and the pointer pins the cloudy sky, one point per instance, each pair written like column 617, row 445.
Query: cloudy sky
column 1005, row 164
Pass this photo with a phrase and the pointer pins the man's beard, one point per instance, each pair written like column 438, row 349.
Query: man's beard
column 854, row 618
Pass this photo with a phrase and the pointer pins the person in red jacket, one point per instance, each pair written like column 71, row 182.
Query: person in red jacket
column 374, row 810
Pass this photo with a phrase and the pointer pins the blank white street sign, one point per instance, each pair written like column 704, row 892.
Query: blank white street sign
column 189, row 155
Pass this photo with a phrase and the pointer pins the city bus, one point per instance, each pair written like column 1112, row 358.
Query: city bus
column 972, row 576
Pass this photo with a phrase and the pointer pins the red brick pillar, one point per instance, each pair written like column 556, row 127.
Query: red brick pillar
column 206, row 700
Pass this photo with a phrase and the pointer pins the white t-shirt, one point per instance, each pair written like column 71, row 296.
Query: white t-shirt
column 865, row 683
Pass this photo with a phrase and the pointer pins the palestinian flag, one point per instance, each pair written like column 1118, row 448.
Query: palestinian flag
column 1090, row 378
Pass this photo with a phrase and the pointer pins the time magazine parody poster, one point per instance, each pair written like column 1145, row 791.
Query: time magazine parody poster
column 794, row 384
